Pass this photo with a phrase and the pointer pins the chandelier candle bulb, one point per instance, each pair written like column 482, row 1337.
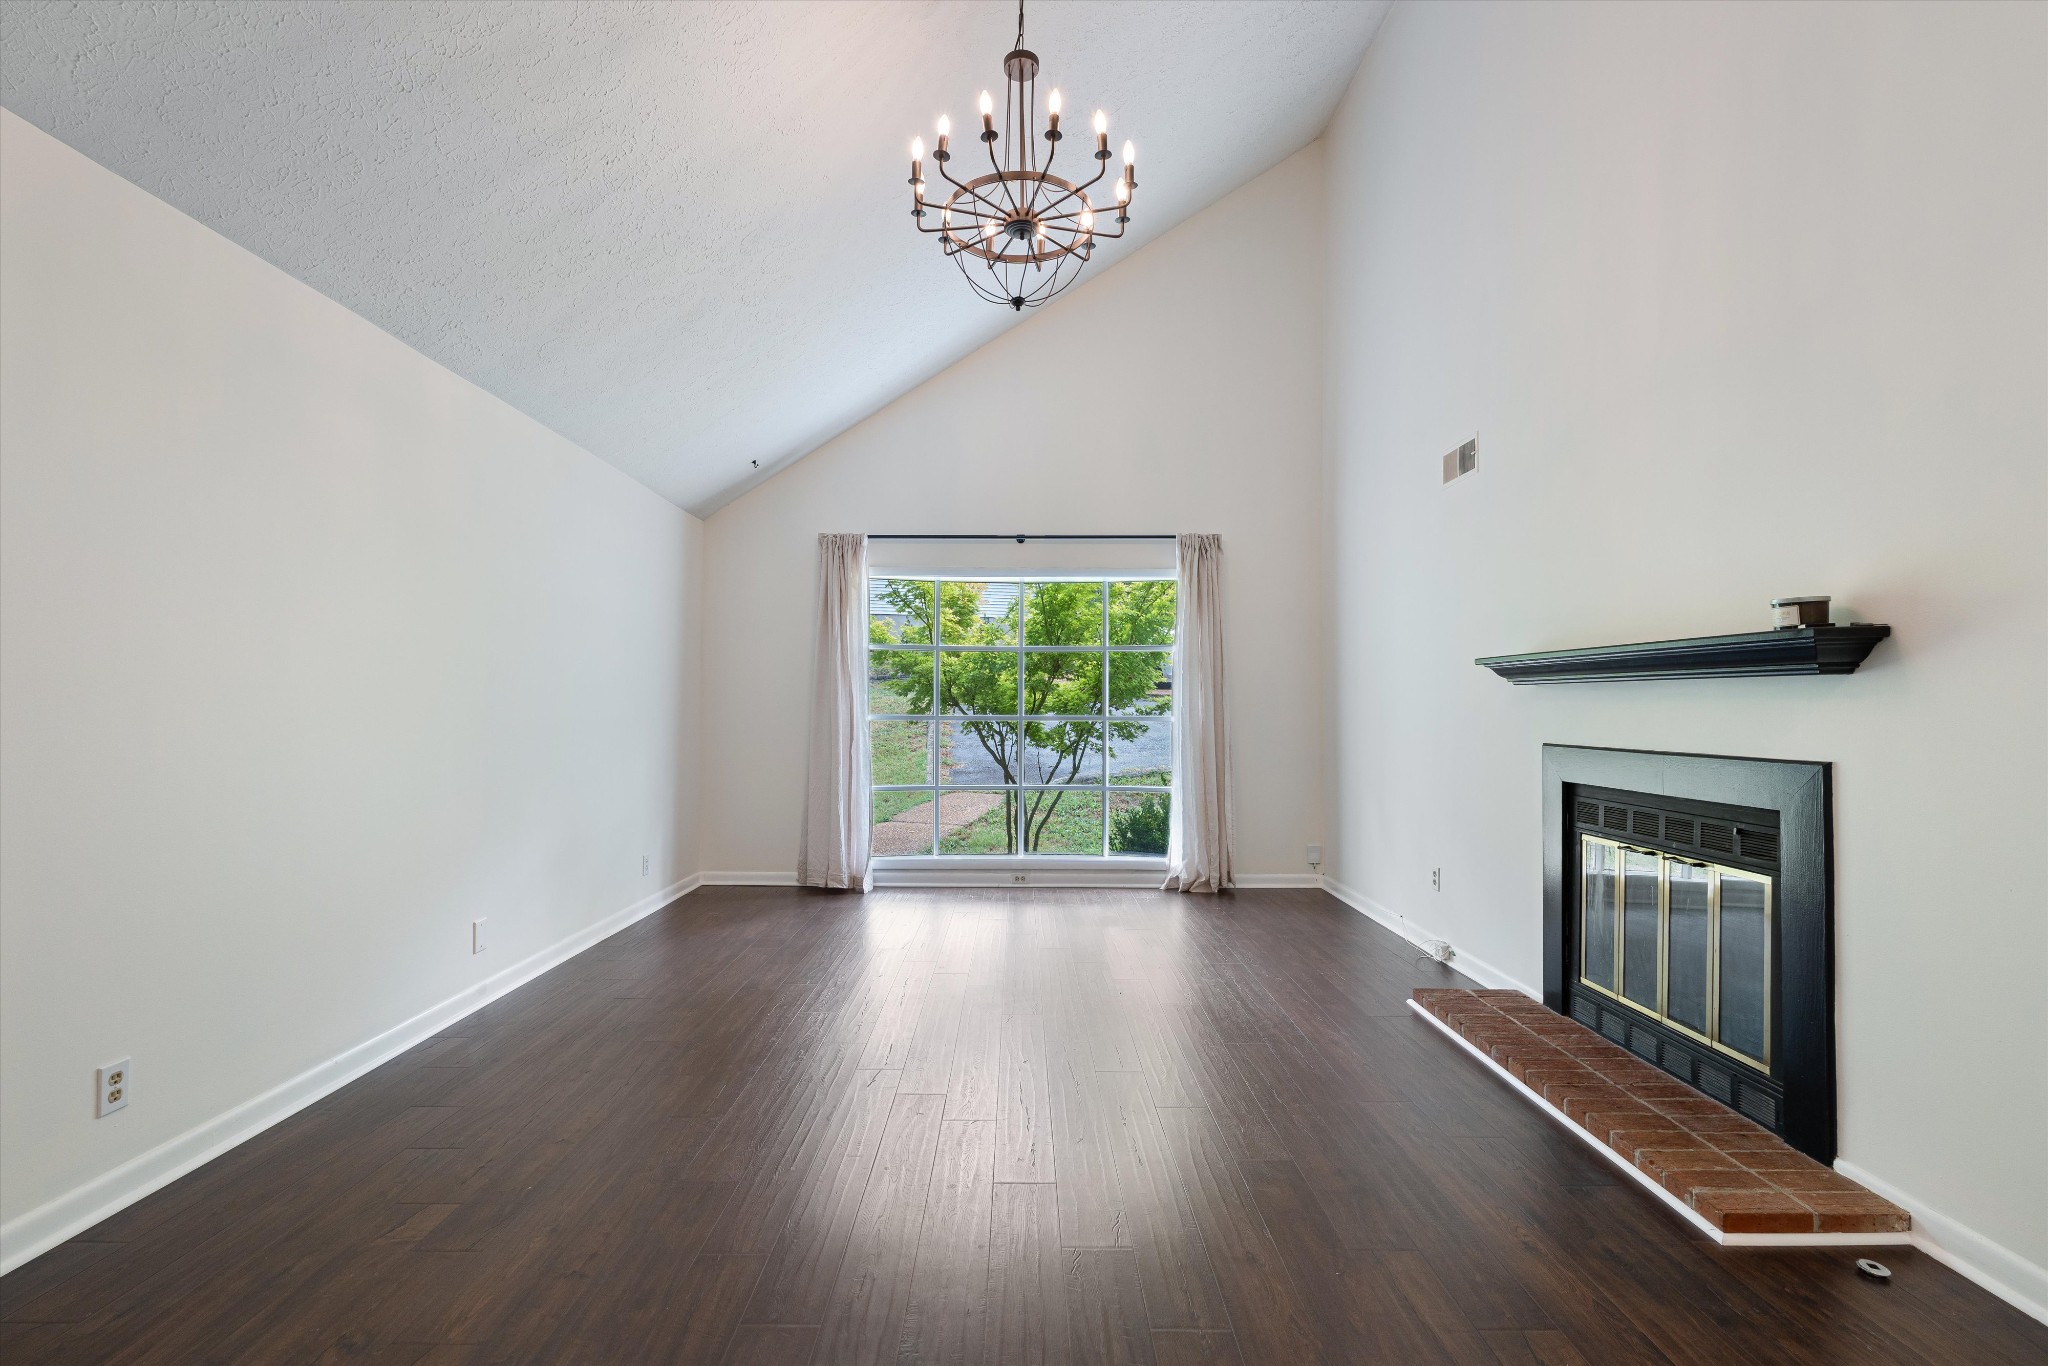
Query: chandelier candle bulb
column 1130, row 165
column 1052, row 116
column 988, row 117
column 945, row 132
column 1101, row 136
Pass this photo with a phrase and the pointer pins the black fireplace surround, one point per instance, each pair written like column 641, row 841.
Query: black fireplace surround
column 1746, row 819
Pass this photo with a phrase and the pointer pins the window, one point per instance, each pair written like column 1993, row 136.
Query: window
column 1029, row 716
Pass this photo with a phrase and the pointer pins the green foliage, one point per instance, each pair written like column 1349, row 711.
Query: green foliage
column 970, row 683
column 913, row 598
column 1141, row 612
column 1139, row 826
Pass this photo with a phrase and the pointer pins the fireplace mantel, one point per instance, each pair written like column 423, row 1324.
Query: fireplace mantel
column 1797, row 650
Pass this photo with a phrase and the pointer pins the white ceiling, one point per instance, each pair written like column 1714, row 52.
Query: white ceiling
column 676, row 233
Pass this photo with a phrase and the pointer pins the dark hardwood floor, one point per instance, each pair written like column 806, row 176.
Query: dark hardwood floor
column 773, row 1126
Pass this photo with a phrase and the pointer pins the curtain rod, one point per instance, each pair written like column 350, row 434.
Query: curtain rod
column 1020, row 538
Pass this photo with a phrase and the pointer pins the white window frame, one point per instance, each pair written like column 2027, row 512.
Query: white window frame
column 1103, row 788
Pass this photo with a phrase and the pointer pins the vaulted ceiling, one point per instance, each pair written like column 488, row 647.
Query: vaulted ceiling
column 676, row 233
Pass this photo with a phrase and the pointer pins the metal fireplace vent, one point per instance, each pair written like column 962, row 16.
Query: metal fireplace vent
column 1733, row 1086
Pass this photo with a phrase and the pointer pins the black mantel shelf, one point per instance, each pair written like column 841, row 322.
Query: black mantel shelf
column 1796, row 650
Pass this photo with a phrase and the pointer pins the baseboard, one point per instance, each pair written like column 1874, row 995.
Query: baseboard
column 38, row 1230
column 2000, row 1270
column 1478, row 969
column 1276, row 880
column 781, row 879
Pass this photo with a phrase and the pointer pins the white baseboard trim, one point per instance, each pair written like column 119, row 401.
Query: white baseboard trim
column 1277, row 880
column 2000, row 1270
column 1650, row 1183
column 36, row 1231
column 1478, row 969
column 782, row 879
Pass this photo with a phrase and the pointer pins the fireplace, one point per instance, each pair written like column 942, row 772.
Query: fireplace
column 1688, row 916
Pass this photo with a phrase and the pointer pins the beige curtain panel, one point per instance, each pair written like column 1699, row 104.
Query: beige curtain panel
column 1198, row 842
column 834, row 850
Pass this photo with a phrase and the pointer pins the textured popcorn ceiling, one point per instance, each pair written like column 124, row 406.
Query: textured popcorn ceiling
column 676, row 233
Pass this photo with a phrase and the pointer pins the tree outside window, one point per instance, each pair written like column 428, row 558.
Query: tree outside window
column 1021, row 715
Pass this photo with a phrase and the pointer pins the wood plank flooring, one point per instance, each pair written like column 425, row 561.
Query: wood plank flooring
column 955, row 1127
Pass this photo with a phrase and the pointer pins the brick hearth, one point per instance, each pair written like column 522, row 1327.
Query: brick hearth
column 1737, row 1175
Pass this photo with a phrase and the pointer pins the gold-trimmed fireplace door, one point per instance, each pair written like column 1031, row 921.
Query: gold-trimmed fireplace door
column 1688, row 943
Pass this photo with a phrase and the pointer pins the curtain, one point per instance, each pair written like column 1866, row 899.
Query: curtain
column 1198, row 842
column 834, row 850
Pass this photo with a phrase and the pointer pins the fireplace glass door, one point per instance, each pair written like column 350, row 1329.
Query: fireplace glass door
column 1686, row 942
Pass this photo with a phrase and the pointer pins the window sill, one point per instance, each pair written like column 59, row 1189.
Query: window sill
column 1017, row 870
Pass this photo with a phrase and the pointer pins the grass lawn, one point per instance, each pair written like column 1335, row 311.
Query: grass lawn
column 900, row 752
column 889, row 805
column 982, row 835
column 1075, row 826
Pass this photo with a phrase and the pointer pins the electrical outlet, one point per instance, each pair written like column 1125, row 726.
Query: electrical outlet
column 1315, row 856
column 1436, row 879
column 476, row 936
column 112, row 1083
column 1020, row 877
column 644, row 865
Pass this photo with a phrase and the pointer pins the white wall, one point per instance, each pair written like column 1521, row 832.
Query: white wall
column 312, row 653
column 1741, row 301
column 1179, row 390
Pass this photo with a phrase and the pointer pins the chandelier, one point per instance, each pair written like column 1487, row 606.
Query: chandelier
column 1019, row 233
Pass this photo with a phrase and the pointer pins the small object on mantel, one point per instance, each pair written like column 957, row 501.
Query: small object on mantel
column 1794, row 650
column 1787, row 613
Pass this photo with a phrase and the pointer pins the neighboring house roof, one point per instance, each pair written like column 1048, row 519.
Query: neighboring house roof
column 997, row 598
